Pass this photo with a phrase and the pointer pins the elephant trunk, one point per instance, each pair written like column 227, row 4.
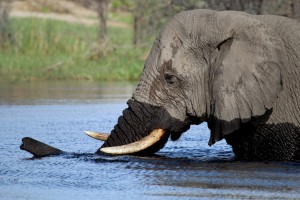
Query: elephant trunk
column 143, row 129
column 134, row 126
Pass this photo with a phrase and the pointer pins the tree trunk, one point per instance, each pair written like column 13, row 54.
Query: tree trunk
column 6, row 34
column 102, row 13
column 138, row 20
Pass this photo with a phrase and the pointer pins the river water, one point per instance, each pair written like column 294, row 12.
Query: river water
column 57, row 113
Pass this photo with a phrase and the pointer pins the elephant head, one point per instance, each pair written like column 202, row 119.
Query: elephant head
column 224, row 68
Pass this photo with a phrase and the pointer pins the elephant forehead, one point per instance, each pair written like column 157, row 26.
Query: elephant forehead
column 170, row 43
column 170, row 50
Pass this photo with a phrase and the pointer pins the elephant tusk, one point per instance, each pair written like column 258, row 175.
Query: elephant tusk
column 135, row 147
column 97, row 135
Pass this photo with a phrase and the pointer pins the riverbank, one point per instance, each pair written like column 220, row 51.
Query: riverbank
column 51, row 48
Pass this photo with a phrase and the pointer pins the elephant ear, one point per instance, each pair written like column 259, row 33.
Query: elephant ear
column 246, row 73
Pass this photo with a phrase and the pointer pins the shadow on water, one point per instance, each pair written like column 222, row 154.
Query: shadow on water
column 57, row 113
column 162, row 162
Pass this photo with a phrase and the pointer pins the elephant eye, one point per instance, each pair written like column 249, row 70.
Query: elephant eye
column 170, row 78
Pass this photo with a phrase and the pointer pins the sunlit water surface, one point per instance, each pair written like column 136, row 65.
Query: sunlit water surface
column 57, row 113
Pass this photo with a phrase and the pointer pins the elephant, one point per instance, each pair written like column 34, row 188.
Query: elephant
column 236, row 71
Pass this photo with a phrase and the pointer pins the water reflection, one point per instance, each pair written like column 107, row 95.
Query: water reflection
column 62, row 92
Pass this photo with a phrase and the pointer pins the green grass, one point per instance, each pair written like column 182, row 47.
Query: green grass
column 122, row 17
column 49, row 49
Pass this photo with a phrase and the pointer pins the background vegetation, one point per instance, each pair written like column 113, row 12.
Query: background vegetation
column 115, row 48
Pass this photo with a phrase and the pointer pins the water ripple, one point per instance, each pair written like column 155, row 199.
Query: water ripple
column 185, row 169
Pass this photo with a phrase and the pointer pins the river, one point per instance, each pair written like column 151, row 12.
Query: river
column 58, row 112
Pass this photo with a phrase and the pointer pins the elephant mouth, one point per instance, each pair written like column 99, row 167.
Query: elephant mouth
column 156, row 137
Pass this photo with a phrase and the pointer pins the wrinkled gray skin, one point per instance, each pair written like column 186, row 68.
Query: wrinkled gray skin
column 236, row 71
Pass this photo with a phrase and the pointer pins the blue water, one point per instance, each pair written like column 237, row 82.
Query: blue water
column 58, row 113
